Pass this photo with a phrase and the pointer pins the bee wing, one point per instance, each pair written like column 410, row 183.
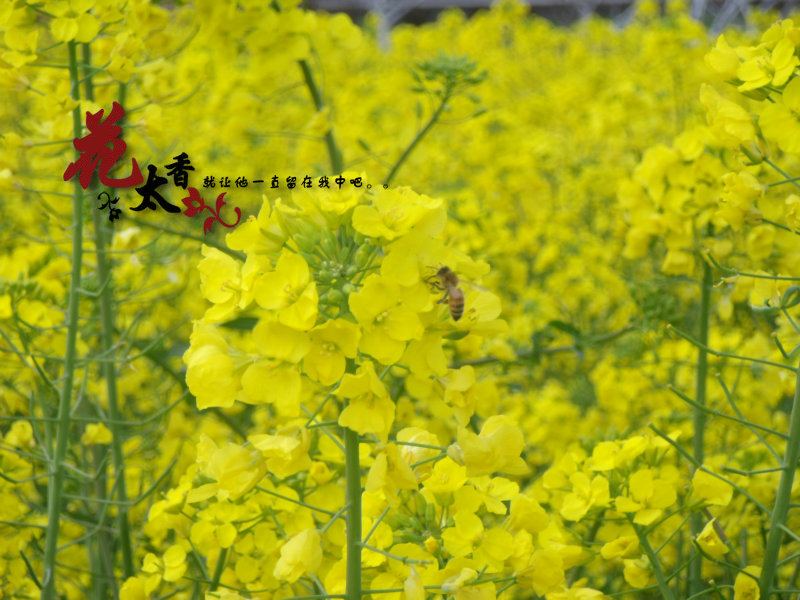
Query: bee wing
column 474, row 286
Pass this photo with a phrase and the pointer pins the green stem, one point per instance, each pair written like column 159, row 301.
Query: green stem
column 598, row 521
column 353, row 496
column 685, row 454
column 106, row 304
column 661, row 580
column 789, row 178
column 56, row 466
column 529, row 354
column 782, row 498
column 729, row 271
column 102, row 556
column 756, row 361
column 298, row 502
column 223, row 557
column 698, row 447
column 333, row 150
column 780, row 225
column 208, row 241
column 180, row 379
column 736, row 419
column 417, row 138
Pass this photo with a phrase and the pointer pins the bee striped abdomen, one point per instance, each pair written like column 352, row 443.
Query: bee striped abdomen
column 448, row 281
column 455, row 300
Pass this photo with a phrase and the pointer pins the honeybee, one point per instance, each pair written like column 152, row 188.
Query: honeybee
column 453, row 295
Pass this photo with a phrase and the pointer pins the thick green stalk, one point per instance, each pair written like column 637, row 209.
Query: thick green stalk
column 698, row 446
column 337, row 162
column 99, row 544
column 783, row 497
column 223, row 557
column 105, row 541
column 353, row 497
column 56, row 466
column 102, row 236
column 102, row 565
column 661, row 579
column 333, row 150
column 110, row 375
column 351, row 441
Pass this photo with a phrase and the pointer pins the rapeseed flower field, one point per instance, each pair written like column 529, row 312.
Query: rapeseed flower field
column 504, row 310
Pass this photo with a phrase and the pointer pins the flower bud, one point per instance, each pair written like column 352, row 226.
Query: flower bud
column 363, row 254
column 333, row 296
column 328, row 246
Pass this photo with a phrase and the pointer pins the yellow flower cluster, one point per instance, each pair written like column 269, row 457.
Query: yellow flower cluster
column 299, row 408
column 343, row 295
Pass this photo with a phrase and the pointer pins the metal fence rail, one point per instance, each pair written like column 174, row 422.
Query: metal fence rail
column 717, row 14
